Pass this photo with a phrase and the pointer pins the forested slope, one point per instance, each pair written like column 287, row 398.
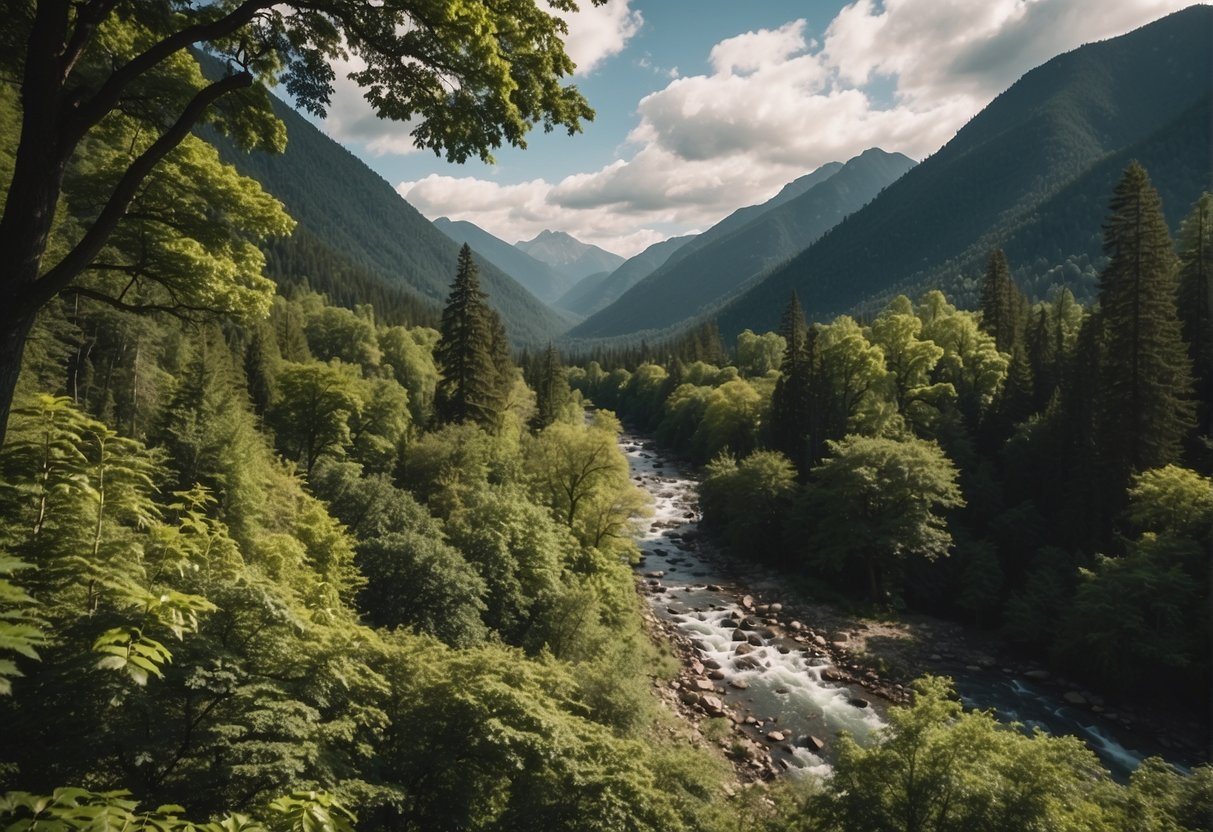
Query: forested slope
column 1020, row 153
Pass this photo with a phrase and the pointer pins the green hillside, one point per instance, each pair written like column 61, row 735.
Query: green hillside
column 701, row 279
column 359, row 218
column 1036, row 165
column 599, row 291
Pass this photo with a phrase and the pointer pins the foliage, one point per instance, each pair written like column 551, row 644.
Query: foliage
column 876, row 500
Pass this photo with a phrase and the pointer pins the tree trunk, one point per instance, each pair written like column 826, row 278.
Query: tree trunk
column 14, row 329
column 873, row 578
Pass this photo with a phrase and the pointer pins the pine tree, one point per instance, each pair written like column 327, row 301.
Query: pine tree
column 551, row 389
column 790, row 401
column 1002, row 303
column 1144, row 409
column 468, row 389
column 1196, row 304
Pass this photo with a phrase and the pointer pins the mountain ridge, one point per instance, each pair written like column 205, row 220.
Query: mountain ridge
column 935, row 226
column 727, row 263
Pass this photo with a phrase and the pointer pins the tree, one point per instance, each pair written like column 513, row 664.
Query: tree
column 96, row 73
column 315, row 405
column 1002, row 303
column 938, row 768
column 875, row 500
column 792, row 417
column 551, row 389
column 1196, row 304
column 1146, row 374
column 469, row 387
column 758, row 355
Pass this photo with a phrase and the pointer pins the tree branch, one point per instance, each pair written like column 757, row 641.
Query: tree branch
column 106, row 98
column 75, row 261
column 179, row 311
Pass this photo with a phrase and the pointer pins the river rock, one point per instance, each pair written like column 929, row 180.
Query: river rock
column 795, row 626
column 768, row 633
column 703, row 684
column 739, row 635
column 1038, row 675
column 747, row 601
column 743, row 649
column 775, row 736
column 1074, row 697
column 819, row 640
column 712, row 705
column 717, row 675
column 857, row 702
column 689, row 697
column 696, row 666
column 776, row 607
column 730, row 622
column 813, row 743
column 711, row 664
column 754, row 639
column 739, row 684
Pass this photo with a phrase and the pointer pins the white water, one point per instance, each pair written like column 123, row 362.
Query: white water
column 783, row 686
column 779, row 682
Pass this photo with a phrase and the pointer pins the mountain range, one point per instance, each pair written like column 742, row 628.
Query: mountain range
column 569, row 256
column 1031, row 173
column 539, row 278
column 599, row 291
column 719, row 262
column 356, row 218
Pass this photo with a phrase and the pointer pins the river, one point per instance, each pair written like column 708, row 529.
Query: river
column 775, row 675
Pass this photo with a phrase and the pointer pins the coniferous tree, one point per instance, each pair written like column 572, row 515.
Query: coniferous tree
column 1146, row 372
column 551, row 389
column 791, row 401
column 468, row 389
column 1196, row 304
column 1001, row 303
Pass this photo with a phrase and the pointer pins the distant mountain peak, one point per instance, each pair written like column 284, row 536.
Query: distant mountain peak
column 566, row 253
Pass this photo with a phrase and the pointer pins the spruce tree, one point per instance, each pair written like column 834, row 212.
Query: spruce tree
column 551, row 389
column 790, row 401
column 1196, row 304
column 1002, row 303
column 468, row 388
column 1144, row 409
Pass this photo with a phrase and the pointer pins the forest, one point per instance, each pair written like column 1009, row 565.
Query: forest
column 274, row 558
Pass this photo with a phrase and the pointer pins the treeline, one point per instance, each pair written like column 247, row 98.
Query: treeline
column 1037, row 469
column 301, row 569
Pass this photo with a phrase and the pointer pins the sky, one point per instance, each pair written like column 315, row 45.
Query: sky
column 703, row 106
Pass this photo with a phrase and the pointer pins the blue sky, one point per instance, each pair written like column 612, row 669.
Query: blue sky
column 707, row 105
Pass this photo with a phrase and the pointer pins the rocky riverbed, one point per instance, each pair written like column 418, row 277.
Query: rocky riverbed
column 781, row 677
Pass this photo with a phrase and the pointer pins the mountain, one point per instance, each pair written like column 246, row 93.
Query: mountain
column 599, row 291
column 537, row 277
column 570, row 256
column 354, row 215
column 743, row 216
column 1032, row 172
column 693, row 283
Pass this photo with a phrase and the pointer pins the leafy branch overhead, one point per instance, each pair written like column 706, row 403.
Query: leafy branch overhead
column 111, row 90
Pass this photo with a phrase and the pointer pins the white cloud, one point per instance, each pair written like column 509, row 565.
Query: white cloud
column 351, row 119
column 903, row 75
column 597, row 33
column 521, row 211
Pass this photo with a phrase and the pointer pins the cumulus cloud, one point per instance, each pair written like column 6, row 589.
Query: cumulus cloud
column 597, row 33
column 520, row 211
column 777, row 104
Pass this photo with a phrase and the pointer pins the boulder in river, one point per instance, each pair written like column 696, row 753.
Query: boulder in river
column 775, row 736
column 747, row 601
column 1073, row 697
column 754, row 639
column 739, row 635
column 813, row 743
column 712, row 705
column 739, row 684
column 857, row 702
column 743, row 649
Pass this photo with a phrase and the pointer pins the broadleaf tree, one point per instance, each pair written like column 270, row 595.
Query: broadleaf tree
column 469, row 76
